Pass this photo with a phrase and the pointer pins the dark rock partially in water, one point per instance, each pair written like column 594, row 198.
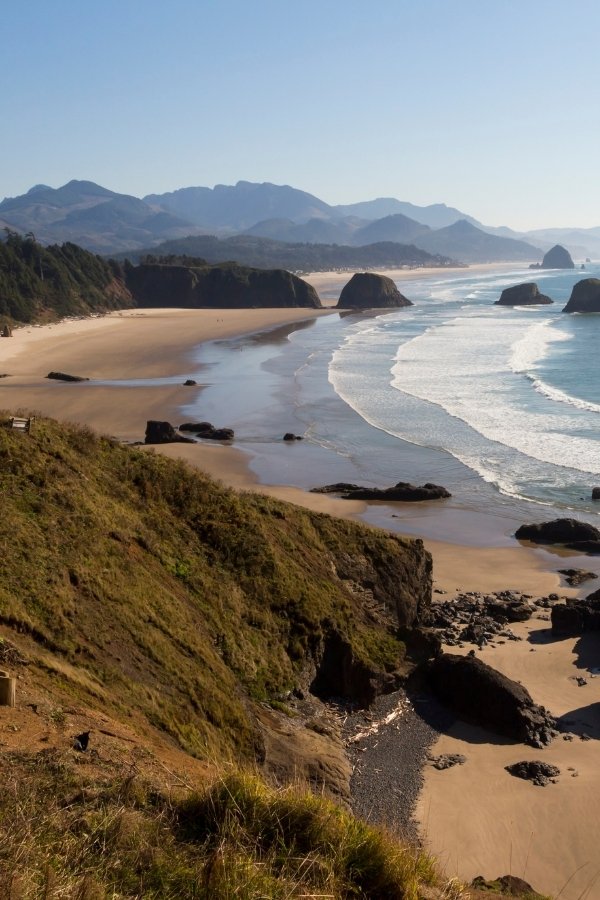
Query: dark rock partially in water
column 62, row 376
column 585, row 297
column 163, row 433
column 596, row 493
column 523, row 295
column 559, row 531
column 288, row 436
column 208, row 431
column 189, row 382
column 401, row 491
column 575, row 577
column 366, row 290
column 485, row 697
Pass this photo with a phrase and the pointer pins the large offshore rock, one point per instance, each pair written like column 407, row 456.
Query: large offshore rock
column 367, row 290
column 585, row 297
column 485, row 697
column 557, row 258
column 527, row 294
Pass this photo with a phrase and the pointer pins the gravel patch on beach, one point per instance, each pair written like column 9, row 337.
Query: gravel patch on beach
column 388, row 746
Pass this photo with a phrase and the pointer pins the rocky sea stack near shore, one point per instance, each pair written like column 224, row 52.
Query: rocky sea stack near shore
column 527, row 294
column 366, row 290
column 585, row 297
column 556, row 258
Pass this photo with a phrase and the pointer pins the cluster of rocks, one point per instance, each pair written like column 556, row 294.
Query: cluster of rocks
column 165, row 433
column 208, row 431
column 477, row 618
column 534, row 770
column 447, row 760
column 478, row 693
column 400, row 491
column 575, row 577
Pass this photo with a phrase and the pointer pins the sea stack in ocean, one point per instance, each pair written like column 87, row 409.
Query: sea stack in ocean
column 522, row 295
column 366, row 290
column 556, row 258
column 585, row 297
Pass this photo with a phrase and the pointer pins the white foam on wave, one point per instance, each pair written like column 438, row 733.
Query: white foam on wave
column 535, row 345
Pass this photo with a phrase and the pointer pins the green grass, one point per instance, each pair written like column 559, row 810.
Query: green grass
column 64, row 836
column 149, row 587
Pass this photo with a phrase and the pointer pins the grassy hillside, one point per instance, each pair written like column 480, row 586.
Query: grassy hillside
column 144, row 585
column 38, row 283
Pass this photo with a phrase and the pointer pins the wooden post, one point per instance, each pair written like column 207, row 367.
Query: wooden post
column 8, row 688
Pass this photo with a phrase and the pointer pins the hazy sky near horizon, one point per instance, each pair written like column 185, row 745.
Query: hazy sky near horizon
column 487, row 105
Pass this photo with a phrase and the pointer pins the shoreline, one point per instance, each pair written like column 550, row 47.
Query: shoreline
column 131, row 345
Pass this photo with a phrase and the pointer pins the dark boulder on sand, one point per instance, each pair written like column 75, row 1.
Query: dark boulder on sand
column 570, row 532
column 62, row 376
column 163, row 433
column 576, row 616
column 527, row 294
column 401, row 491
column 481, row 695
column 585, row 297
column 366, row 290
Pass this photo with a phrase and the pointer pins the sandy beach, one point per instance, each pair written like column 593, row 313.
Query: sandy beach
column 477, row 818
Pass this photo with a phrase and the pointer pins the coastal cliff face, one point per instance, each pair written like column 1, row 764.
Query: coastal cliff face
column 585, row 297
column 367, row 290
column 218, row 287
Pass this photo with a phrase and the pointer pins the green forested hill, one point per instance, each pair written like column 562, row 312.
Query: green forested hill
column 39, row 282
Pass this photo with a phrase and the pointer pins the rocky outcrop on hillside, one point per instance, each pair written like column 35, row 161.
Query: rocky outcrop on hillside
column 556, row 258
column 401, row 491
column 570, row 532
column 366, row 290
column 225, row 286
column 522, row 295
column 485, row 697
column 585, row 297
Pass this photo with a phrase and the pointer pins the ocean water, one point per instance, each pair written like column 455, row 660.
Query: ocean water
column 502, row 405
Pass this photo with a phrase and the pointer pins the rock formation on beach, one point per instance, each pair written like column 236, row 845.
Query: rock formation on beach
column 556, row 258
column 527, row 294
column 585, row 297
column 226, row 286
column 570, row 532
column 208, row 431
column 366, row 290
column 577, row 615
column 163, row 433
column 479, row 694
column 401, row 491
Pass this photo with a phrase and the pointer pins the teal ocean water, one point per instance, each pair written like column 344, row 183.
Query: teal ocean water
column 502, row 405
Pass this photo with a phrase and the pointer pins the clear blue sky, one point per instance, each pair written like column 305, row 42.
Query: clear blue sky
column 488, row 105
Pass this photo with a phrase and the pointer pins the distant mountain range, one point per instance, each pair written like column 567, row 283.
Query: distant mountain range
column 108, row 223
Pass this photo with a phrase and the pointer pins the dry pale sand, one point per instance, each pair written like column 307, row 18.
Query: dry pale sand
column 477, row 817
